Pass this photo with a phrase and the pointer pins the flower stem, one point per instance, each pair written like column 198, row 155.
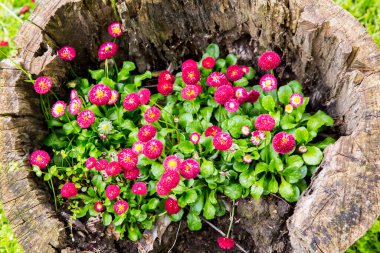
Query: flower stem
column 106, row 67
column 231, row 218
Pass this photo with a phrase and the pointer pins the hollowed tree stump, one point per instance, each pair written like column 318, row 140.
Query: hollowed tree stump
column 321, row 45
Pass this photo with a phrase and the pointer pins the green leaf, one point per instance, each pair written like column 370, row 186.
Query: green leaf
column 213, row 50
column 97, row 74
column 185, row 119
column 273, row 185
column 95, row 110
column 197, row 206
column 268, row 103
column 124, row 72
column 284, row 93
column 206, row 113
column 233, row 191
column 53, row 141
column 153, row 203
column 323, row 144
column 176, row 217
column 296, row 86
column 289, row 192
column 302, row 135
column 231, row 59
column 186, row 147
column 119, row 220
column 318, row 120
column 293, row 174
column 236, row 123
column 246, row 179
column 288, row 122
column 54, row 123
column 260, row 167
column 157, row 170
column 220, row 63
column 294, row 161
column 71, row 127
column 207, row 168
column 251, row 74
column 241, row 82
column 313, row 156
column 134, row 232
column 107, row 218
column 191, row 106
column 194, row 222
column 257, row 188
column 109, row 82
column 209, row 210
column 139, row 78
column 240, row 166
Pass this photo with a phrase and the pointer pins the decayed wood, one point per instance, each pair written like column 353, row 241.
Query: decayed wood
column 321, row 45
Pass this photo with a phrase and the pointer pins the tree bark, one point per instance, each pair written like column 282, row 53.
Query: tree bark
column 321, row 45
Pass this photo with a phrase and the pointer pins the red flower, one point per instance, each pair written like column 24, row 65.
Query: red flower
column 91, row 162
column 216, row 79
column 171, row 206
column 195, row 137
column 253, row 96
column 161, row 189
column 113, row 98
column 98, row 206
column 191, row 75
column 99, row 94
column 42, row 85
column 132, row 174
column 139, row 188
column 68, row 190
column 127, row 159
column 113, row 169
column 190, row 168
column 131, row 101
column 283, row 143
column 268, row 82
column 4, row 43
column 170, row 179
column 138, row 147
column 67, row 53
column 115, row 29
column 223, row 94
column 107, row 50
column 101, row 164
column 232, row 105
column 85, row 118
column 241, row 94
column 189, row 92
column 112, row 192
column 152, row 114
column 153, row 149
column 40, row 158
column 269, row 60
column 234, row 73
column 166, row 76
column 208, row 62
column 212, row 131
column 165, row 88
column 222, row 141
column 24, row 9
column 58, row 109
column 226, row 243
column 120, row 207
column 146, row 133
column 265, row 122
column 144, row 96
column 199, row 87
column 189, row 63
column 172, row 162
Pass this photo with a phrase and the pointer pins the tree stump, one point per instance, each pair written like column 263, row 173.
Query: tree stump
column 321, row 45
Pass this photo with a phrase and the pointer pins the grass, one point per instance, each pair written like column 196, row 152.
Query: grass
column 366, row 11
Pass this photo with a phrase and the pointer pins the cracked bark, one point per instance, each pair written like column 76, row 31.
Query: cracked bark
column 321, row 45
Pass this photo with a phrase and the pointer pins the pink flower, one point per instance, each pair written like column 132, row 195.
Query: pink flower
column 99, row 94
column 152, row 114
column 138, row 147
column 208, row 62
column 190, row 168
column 191, row 75
column 257, row 137
column 296, row 99
column 166, row 76
column 222, row 141
column 75, row 106
column 269, row 60
column 115, row 29
column 144, row 96
column 165, row 88
column 69, row 190
column 195, row 137
column 114, row 97
column 253, row 96
column 283, row 143
column 189, row 63
column 189, row 92
column 265, row 122
column 226, row 243
column 24, row 9
column 101, row 164
column 85, row 118
column 91, row 162
column 245, row 69
column 98, row 206
column 73, row 94
column 113, row 169
column 58, row 109
column 223, row 94
column 120, row 207
column 42, row 85
column 241, row 94
column 171, row 206
column 245, row 130
column 107, row 50
column 4, row 43
column 216, row 79
column 139, row 188
column 172, row 162
column 234, row 73
column 170, row 179
column 232, row 105
column 161, row 189
column 247, row 158
column 67, row 53
column 199, row 87
column 131, row 101
column 212, row 131
column 132, row 174
column 153, row 149
column 40, row 158
column 146, row 133
column 268, row 82
column 112, row 192
column 127, row 159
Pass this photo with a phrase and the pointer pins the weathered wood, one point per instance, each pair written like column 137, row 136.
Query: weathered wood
column 321, row 45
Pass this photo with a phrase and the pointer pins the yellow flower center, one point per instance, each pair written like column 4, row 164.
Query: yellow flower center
column 138, row 147
column 99, row 93
column 268, row 83
column 116, row 29
column 296, row 99
column 172, row 164
column 120, row 207
column 39, row 158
